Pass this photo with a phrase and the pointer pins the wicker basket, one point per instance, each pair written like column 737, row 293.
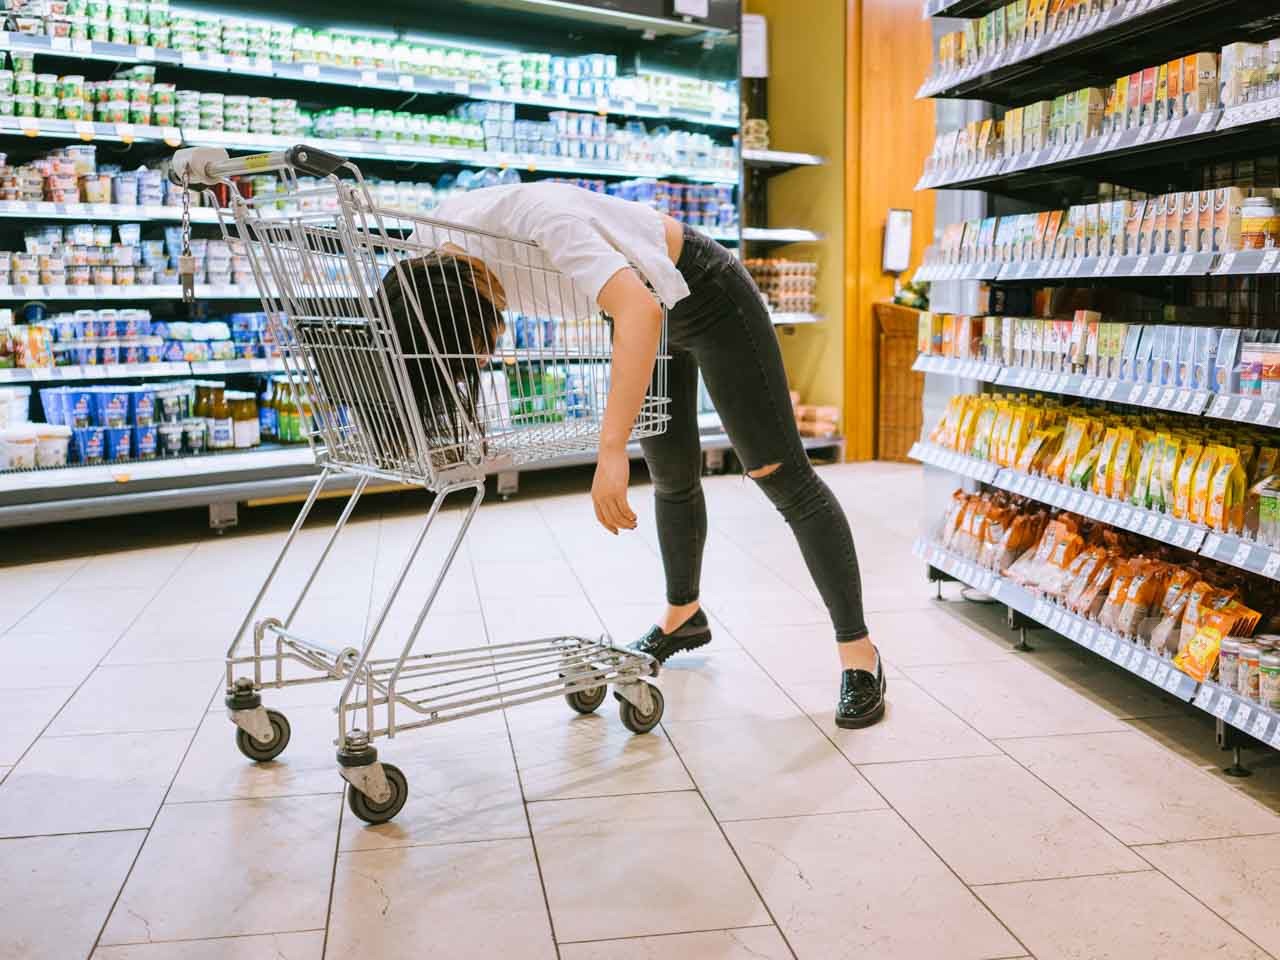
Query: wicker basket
column 901, row 390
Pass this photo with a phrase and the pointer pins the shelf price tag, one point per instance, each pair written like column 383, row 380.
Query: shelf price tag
column 311, row 71
column 1166, row 398
column 1168, row 266
column 1242, row 409
column 1268, row 262
column 1141, row 266
column 85, row 130
column 1124, row 516
column 30, row 126
column 1220, row 404
column 405, row 81
column 1259, row 726
column 1162, row 674
column 1211, row 545
column 1228, row 261
column 1265, row 413
column 1207, row 121
column 1272, row 567
column 1184, row 265
column 125, row 132
column 1180, row 536
column 1241, row 556
column 1244, row 713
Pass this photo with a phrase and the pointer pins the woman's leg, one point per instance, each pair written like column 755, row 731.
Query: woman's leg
column 737, row 351
column 674, row 459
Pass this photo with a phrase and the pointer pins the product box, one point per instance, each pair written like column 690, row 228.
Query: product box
column 1037, row 238
column 984, row 141
column 1185, row 357
column 1204, row 216
column 1058, row 121
column 1156, row 238
column 1191, row 222
column 1091, row 231
column 1103, row 247
column 986, row 35
column 1227, row 203
column 1173, row 103
column 1109, row 109
column 1158, row 108
column 1015, row 19
column 1146, row 113
column 1206, row 355
column 1147, row 232
column 1090, row 104
column 1120, row 106
column 1174, row 223
column 929, row 333
column 1120, row 211
column 1013, row 122
column 1133, row 228
column 1049, row 240
column 998, row 29
column 1004, row 239
column 1094, row 320
column 1129, row 352
column 1227, row 376
column 1143, row 365
column 1035, row 129
column 970, row 32
column 1057, row 18
column 1133, row 102
column 1075, row 232
column 987, row 240
column 1200, row 87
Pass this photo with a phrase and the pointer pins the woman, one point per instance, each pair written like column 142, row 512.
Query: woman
column 630, row 260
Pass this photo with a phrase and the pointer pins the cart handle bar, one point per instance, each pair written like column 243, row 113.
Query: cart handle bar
column 206, row 166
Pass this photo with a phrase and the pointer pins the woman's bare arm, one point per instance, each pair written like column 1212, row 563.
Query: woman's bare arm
column 637, row 331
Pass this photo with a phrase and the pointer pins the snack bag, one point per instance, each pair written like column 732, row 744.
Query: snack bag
column 1038, row 450
column 1198, row 655
column 1182, row 482
column 1201, row 481
column 1170, row 461
column 1088, row 600
column 981, row 445
column 1145, row 492
column 1118, row 589
column 1123, row 465
column 1065, row 566
column 1106, row 455
column 1201, row 598
column 951, row 518
column 1265, row 465
column 1140, row 598
column 1073, row 437
column 1083, row 472
column 1225, row 510
column 1173, row 605
column 1079, row 573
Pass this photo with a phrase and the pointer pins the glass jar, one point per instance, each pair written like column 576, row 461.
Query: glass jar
column 244, row 419
column 1228, row 662
column 1257, row 224
column 221, row 426
column 1248, row 669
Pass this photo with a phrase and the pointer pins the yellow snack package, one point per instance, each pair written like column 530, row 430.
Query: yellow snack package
column 1198, row 655
column 980, row 446
column 1123, row 465
column 999, row 431
column 1106, row 453
column 1143, row 485
column 1170, row 460
column 1201, row 481
column 1225, row 510
column 1065, row 457
column 1040, row 447
column 1182, row 482
column 1109, row 615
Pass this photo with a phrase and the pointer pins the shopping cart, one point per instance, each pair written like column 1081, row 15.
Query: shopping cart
column 407, row 380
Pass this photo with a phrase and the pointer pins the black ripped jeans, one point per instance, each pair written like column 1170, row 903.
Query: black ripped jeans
column 723, row 329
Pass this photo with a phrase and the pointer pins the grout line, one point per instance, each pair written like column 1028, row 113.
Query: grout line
column 696, row 789
column 119, row 733
column 802, row 816
column 72, row 833
column 52, row 590
column 515, row 762
column 673, row 933
column 219, row 937
column 1138, row 847
column 274, row 796
column 1071, row 876
column 333, row 875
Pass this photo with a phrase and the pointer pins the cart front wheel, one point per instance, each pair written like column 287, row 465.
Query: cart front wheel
column 260, row 751
column 638, row 722
column 371, row 812
column 586, row 701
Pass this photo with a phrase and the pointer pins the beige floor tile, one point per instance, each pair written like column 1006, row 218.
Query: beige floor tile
column 1012, row 699
column 717, row 685
column 470, row 901
column 854, row 885
column 803, row 653
column 132, row 699
column 101, row 609
column 993, row 822
column 55, row 892
column 50, row 659
column 914, row 727
column 1236, row 879
column 462, row 787
column 215, row 769
column 913, row 638
column 25, row 587
column 227, row 869
column 79, row 784
column 514, row 620
column 561, row 754
column 761, row 609
column 23, row 714
column 276, row 946
column 1134, row 916
column 769, row 767
column 153, row 645
column 638, row 866
column 130, row 568
column 1140, row 791
column 747, row 943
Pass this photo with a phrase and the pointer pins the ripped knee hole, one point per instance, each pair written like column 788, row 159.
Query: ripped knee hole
column 761, row 472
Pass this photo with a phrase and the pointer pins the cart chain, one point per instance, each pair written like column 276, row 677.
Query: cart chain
column 186, row 262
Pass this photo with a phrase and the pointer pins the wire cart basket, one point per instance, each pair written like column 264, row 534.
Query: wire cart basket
column 392, row 327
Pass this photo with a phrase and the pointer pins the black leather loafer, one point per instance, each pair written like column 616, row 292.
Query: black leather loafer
column 861, row 700
column 693, row 633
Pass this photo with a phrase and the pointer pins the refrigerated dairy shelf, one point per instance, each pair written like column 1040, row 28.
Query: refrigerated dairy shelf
column 364, row 78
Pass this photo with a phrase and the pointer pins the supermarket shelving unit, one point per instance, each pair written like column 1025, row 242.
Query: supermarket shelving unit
column 221, row 480
column 1169, row 156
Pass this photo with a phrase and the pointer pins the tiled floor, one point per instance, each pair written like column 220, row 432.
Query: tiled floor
column 1010, row 806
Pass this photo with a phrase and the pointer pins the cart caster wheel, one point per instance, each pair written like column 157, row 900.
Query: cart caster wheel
column 638, row 722
column 261, row 751
column 587, row 701
column 371, row 812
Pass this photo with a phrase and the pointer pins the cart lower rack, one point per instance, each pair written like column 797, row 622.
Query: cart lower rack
column 390, row 343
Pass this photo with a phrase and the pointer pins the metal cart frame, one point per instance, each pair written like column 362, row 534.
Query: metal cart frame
column 389, row 347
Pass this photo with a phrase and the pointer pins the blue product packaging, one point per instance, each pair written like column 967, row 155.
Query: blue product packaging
column 142, row 406
column 110, row 407
column 87, row 444
column 53, row 404
column 267, row 418
column 144, row 442
column 173, row 351
column 77, row 408
column 117, row 442
column 65, row 328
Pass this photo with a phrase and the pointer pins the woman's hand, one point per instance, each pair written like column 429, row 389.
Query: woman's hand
column 609, row 490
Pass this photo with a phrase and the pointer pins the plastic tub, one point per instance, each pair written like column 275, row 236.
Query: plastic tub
column 142, row 406
column 110, row 407
column 52, row 444
column 117, row 443
column 169, row 439
column 18, row 447
column 87, row 444
column 77, row 407
column 144, row 442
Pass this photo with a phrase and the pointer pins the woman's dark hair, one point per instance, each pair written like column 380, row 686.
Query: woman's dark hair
column 451, row 299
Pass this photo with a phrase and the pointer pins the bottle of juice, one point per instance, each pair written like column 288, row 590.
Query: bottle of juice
column 267, row 413
column 290, row 429
column 221, row 426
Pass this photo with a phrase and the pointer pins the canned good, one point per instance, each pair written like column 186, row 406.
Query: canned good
column 1269, row 680
column 1228, row 662
column 1248, row 669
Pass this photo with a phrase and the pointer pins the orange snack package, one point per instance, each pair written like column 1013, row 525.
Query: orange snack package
column 1198, row 655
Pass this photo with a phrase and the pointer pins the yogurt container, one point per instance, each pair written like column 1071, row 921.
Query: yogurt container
column 144, row 442
column 18, row 447
column 117, row 443
column 52, row 443
column 142, row 406
column 169, row 439
column 110, row 407
column 87, row 444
